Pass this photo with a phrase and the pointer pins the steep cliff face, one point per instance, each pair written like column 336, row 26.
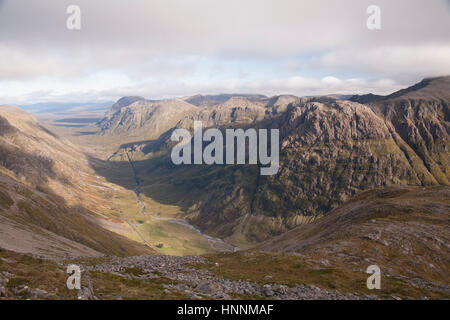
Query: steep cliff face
column 329, row 151
column 420, row 115
column 332, row 149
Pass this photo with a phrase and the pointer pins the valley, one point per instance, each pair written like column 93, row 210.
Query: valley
column 358, row 184
column 215, row 243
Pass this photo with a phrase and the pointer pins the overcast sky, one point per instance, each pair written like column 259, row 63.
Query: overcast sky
column 166, row 48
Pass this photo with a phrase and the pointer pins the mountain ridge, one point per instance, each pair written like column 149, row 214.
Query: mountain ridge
column 330, row 150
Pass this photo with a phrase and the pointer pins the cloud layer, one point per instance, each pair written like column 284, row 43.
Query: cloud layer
column 170, row 47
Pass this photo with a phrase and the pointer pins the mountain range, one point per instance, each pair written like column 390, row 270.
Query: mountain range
column 362, row 179
column 331, row 149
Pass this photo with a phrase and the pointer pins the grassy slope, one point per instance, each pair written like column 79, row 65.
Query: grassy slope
column 176, row 239
column 309, row 270
column 51, row 188
column 42, row 212
column 51, row 276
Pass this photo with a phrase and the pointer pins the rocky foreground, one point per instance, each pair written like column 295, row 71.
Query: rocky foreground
column 190, row 282
column 239, row 275
column 200, row 283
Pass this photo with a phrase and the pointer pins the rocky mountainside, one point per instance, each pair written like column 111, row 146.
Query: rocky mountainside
column 330, row 150
column 403, row 230
column 420, row 115
column 123, row 102
column 235, row 111
column 51, row 201
column 144, row 120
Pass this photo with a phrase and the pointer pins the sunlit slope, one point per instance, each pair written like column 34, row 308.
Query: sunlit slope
column 52, row 201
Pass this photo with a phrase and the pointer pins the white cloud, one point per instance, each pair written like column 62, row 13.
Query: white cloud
column 156, row 89
column 394, row 61
column 182, row 47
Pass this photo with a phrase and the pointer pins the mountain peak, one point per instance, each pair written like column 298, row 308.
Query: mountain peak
column 125, row 101
column 435, row 88
column 428, row 88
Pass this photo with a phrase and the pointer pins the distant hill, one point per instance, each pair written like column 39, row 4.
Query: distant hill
column 211, row 100
column 64, row 107
column 365, row 98
column 428, row 89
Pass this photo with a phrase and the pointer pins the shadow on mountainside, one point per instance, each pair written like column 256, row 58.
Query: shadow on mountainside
column 39, row 209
